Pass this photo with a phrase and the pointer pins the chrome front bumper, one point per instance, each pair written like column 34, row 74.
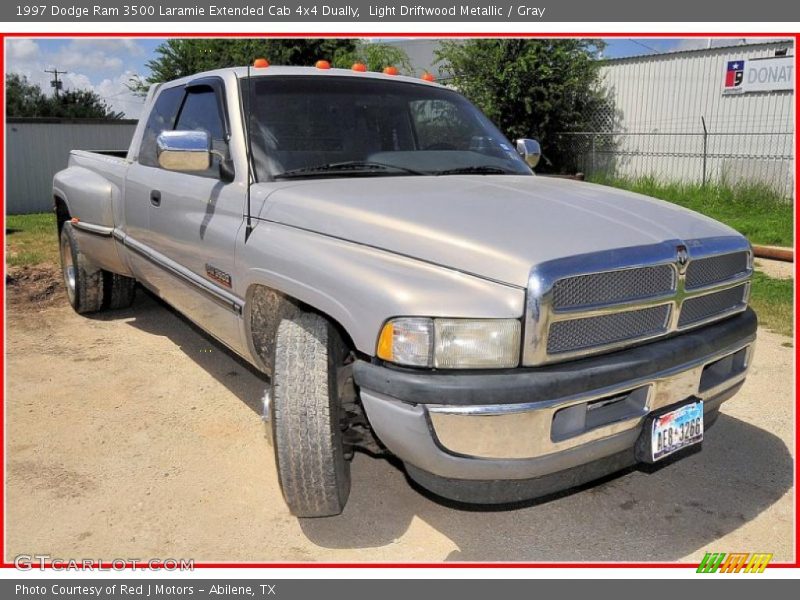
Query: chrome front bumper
column 535, row 429
column 545, row 435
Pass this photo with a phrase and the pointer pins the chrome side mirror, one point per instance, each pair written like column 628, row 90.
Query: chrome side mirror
column 530, row 151
column 184, row 150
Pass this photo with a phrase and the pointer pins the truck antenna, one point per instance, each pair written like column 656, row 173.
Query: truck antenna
column 249, row 225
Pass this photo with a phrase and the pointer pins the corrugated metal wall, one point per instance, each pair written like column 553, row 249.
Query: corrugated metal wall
column 659, row 101
column 36, row 149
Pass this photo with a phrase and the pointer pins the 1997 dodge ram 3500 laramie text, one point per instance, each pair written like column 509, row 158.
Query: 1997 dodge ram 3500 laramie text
column 379, row 250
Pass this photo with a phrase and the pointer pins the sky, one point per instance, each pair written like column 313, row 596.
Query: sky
column 106, row 65
column 101, row 65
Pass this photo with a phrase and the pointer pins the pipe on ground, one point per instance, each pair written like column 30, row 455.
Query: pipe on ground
column 774, row 253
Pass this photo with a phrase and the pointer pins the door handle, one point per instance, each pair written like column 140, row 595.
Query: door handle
column 155, row 198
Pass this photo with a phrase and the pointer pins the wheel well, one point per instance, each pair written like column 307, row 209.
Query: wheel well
column 62, row 212
column 265, row 307
column 264, row 310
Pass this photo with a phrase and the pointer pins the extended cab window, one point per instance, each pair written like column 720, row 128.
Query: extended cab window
column 162, row 117
column 201, row 112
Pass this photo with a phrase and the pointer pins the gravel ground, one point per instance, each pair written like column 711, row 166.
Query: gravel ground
column 134, row 435
column 777, row 269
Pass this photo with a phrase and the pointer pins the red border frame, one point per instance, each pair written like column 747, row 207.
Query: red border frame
column 363, row 34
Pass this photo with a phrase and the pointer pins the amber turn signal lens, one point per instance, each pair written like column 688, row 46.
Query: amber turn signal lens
column 407, row 341
column 385, row 342
column 323, row 64
column 260, row 63
column 360, row 67
column 391, row 71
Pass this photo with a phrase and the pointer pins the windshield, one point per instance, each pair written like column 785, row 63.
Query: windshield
column 312, row 126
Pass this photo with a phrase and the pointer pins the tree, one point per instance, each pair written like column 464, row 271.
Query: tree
column 179, row 58
column 530, row 87
column 376, row 57
column 25, row 99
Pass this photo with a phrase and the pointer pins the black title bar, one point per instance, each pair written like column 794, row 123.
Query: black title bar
column 122, row 11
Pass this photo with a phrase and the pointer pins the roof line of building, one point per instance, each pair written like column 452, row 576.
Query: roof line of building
column 782, row 42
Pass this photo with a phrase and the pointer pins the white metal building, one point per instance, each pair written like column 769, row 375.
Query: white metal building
column 743, row 94
column 654, row 126
column 39, row 148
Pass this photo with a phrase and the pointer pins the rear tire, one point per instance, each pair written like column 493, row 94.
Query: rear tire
column 306, row 417
column 119, row 292
column 90, row 288
column 83, row 280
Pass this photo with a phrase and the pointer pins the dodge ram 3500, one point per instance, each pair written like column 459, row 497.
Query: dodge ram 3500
column 387, row 258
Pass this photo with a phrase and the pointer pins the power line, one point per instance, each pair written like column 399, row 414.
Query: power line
column 55, row 83
column 644, row 45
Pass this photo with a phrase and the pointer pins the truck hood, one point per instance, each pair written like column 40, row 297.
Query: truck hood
column 496, row 227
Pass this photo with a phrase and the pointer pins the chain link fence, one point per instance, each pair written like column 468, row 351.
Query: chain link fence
column 728, row 158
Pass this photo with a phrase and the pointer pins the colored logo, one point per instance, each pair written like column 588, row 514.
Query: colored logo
column 734, row 74
column 734, row 562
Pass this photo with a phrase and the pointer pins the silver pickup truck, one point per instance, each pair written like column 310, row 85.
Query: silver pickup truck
column 387, row 258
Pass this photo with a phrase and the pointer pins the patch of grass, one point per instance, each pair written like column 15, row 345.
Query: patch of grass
column 772, row 301
column 755, row 210
column 31, row 239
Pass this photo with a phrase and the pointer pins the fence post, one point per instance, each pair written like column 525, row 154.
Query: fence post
column 705, row 148
column 594, row 136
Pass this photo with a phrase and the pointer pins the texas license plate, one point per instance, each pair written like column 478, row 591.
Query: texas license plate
column 676, row 430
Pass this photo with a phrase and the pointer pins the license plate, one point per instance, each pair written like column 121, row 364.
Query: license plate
column 676, row 430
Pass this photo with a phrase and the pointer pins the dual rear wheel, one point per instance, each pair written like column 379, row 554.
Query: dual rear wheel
column 90, row 288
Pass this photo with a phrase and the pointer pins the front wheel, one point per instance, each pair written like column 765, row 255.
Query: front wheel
column 307, row 417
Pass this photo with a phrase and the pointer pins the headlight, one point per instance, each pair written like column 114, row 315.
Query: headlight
column 451, row 343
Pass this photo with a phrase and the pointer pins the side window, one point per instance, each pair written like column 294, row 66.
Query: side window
column 201, row 112
column 162, row 116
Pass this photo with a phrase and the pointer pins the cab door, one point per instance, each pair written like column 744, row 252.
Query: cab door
column 193, row 220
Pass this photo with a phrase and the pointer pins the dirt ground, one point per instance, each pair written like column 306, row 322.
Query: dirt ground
column 775, row 268
column 133, row 435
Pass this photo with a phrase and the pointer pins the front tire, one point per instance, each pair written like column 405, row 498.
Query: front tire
column 306, row 417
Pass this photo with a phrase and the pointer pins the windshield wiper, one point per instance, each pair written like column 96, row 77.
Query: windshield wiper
column 345, row 168
column 474, row 170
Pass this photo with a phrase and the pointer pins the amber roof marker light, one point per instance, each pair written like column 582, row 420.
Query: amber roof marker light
column 323, row 64
column 391, row 71
column 260, row 63
column 359, row 67
column 428, row 77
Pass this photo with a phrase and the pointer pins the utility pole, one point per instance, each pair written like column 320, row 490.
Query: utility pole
column 55, row 83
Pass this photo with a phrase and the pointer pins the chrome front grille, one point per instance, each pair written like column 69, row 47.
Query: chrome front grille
column 610, row 288
column 590, row 332
column 715, row 269
column 595, row 303
column 701, row 308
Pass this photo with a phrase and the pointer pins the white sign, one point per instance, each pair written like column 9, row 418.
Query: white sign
column 759, row 75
